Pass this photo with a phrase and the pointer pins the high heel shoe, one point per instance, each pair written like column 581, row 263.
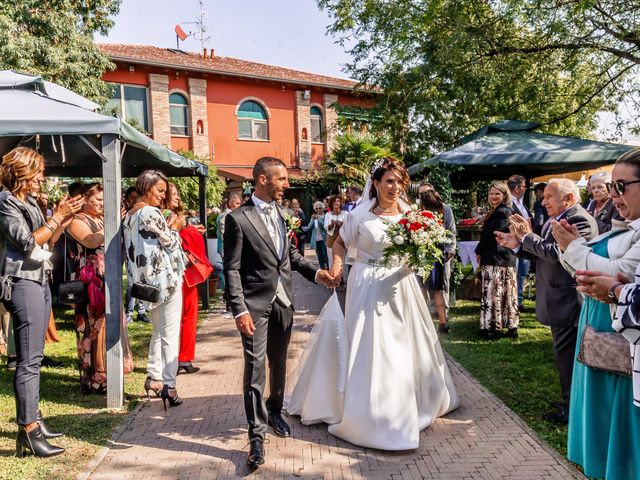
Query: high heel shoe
column 46, row 431
column 35, row 442
column 148, row 386
column 187, row 368
column 173, row 401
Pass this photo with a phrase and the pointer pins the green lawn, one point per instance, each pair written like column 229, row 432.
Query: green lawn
column 520, row 372
column 83, row 418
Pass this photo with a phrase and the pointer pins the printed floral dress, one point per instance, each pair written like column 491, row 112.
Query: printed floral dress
column 91, row 319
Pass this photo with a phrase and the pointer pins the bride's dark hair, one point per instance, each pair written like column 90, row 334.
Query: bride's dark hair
column 385, row 165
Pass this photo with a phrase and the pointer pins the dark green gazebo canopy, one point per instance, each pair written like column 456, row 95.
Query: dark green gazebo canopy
column 512, row 147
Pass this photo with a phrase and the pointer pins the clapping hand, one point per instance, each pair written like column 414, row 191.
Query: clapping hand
column 508, row 240
column 67, row 207
column 598, row 284
column 564, row 233
column 176, row 222
column 519, row 226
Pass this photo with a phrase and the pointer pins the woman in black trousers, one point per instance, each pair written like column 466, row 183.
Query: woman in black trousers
column 25, row 238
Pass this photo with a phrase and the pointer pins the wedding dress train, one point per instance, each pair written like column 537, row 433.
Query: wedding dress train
column 376, row 375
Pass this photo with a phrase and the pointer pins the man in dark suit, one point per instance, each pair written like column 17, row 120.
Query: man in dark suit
column 518, row 186
column 557, row 301
column 258, row 260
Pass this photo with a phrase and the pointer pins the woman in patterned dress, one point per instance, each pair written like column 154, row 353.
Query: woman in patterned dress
column 498, row 307
column 87, row 229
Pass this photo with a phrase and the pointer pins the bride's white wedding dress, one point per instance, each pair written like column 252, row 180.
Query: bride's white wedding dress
column 377, row 375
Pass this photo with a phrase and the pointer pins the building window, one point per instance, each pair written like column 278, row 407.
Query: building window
column 316, row 125
column 179, row 114
column 252, row 121
column 131, row 104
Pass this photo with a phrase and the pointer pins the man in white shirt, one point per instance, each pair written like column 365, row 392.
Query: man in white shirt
column 518, row 187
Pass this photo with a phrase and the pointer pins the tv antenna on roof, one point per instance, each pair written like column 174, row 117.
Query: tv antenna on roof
column 201, row 29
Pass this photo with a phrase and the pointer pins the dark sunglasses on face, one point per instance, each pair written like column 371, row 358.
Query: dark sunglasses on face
column 620, row 185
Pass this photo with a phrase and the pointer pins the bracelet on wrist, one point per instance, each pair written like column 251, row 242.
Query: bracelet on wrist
column 57, row 222
column 53, row 230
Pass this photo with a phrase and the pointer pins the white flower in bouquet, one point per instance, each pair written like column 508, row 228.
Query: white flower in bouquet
column 416, row 241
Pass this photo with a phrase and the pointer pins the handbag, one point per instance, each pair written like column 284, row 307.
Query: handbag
column 71, row 292
column 147, row 293
column 6, row 285
column 197, row 272
column 606, row 351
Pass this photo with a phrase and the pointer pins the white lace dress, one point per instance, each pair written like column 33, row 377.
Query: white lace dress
column 378, row 375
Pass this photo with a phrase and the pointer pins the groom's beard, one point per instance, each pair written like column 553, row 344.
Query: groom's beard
column 273, row 193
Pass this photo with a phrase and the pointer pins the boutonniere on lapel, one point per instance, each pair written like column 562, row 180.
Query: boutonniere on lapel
column 292, row 224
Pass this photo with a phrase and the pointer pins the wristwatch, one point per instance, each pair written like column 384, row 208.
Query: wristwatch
column 611, row 297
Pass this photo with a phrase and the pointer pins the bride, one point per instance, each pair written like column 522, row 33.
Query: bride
column 377, row 375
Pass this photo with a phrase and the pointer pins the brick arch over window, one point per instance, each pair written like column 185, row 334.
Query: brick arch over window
column 179, row 112
column 253, row 99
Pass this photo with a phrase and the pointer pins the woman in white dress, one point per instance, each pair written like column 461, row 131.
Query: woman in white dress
column 378, row 375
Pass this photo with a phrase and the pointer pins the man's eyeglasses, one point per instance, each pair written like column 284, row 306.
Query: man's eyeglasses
column 620, row 185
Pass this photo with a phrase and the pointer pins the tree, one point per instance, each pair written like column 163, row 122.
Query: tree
column 351, row 159
column 443, row 69
column 189, row 188
column 55, row 40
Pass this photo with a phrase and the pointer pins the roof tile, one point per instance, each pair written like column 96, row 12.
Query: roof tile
column 150, row 55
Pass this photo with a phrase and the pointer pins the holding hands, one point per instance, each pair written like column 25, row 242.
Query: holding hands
column 564, row 233
column 328, row 279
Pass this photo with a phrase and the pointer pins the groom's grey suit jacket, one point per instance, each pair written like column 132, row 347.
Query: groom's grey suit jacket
column 252, row 264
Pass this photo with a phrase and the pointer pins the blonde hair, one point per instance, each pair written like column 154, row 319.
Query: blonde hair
column 504, row 189
column 18, row 167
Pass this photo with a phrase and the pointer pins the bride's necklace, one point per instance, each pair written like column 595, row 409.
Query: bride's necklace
column 393, row 209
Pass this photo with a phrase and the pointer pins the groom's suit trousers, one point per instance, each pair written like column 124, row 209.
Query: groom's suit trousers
column 270, row 339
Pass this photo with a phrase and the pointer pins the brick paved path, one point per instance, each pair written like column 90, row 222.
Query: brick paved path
column 206, row 436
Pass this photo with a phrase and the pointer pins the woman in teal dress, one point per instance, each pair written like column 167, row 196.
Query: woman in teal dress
column 604, row 425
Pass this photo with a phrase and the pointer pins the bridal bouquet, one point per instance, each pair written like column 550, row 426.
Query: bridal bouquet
column 415, row 241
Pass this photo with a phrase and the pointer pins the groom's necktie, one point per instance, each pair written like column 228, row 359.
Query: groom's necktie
column 273, row 225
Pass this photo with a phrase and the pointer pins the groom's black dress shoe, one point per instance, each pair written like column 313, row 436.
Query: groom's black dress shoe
column 256, row 454
column 280, row 427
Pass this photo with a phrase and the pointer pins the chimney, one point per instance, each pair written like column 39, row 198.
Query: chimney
column 212, row 54
column 204, row 54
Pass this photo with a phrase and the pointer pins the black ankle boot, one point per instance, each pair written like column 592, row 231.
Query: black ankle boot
column 35, row 442
column 46, row 431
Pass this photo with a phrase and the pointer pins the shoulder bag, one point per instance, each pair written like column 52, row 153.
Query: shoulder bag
column 605, row 351
column 71, row 292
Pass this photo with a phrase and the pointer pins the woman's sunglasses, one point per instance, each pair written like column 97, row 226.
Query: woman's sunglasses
column 620, row 185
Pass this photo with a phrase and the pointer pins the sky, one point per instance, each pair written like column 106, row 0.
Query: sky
column 287, row 33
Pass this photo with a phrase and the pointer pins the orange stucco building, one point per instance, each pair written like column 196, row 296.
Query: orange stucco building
column 232, row 111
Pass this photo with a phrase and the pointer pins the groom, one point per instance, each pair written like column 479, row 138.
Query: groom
column 258, row 260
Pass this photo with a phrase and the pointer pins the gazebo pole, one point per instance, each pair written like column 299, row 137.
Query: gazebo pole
column 202, row 193
column 112, row 175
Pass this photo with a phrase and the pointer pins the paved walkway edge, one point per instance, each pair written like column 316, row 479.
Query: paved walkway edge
column 103, row 451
